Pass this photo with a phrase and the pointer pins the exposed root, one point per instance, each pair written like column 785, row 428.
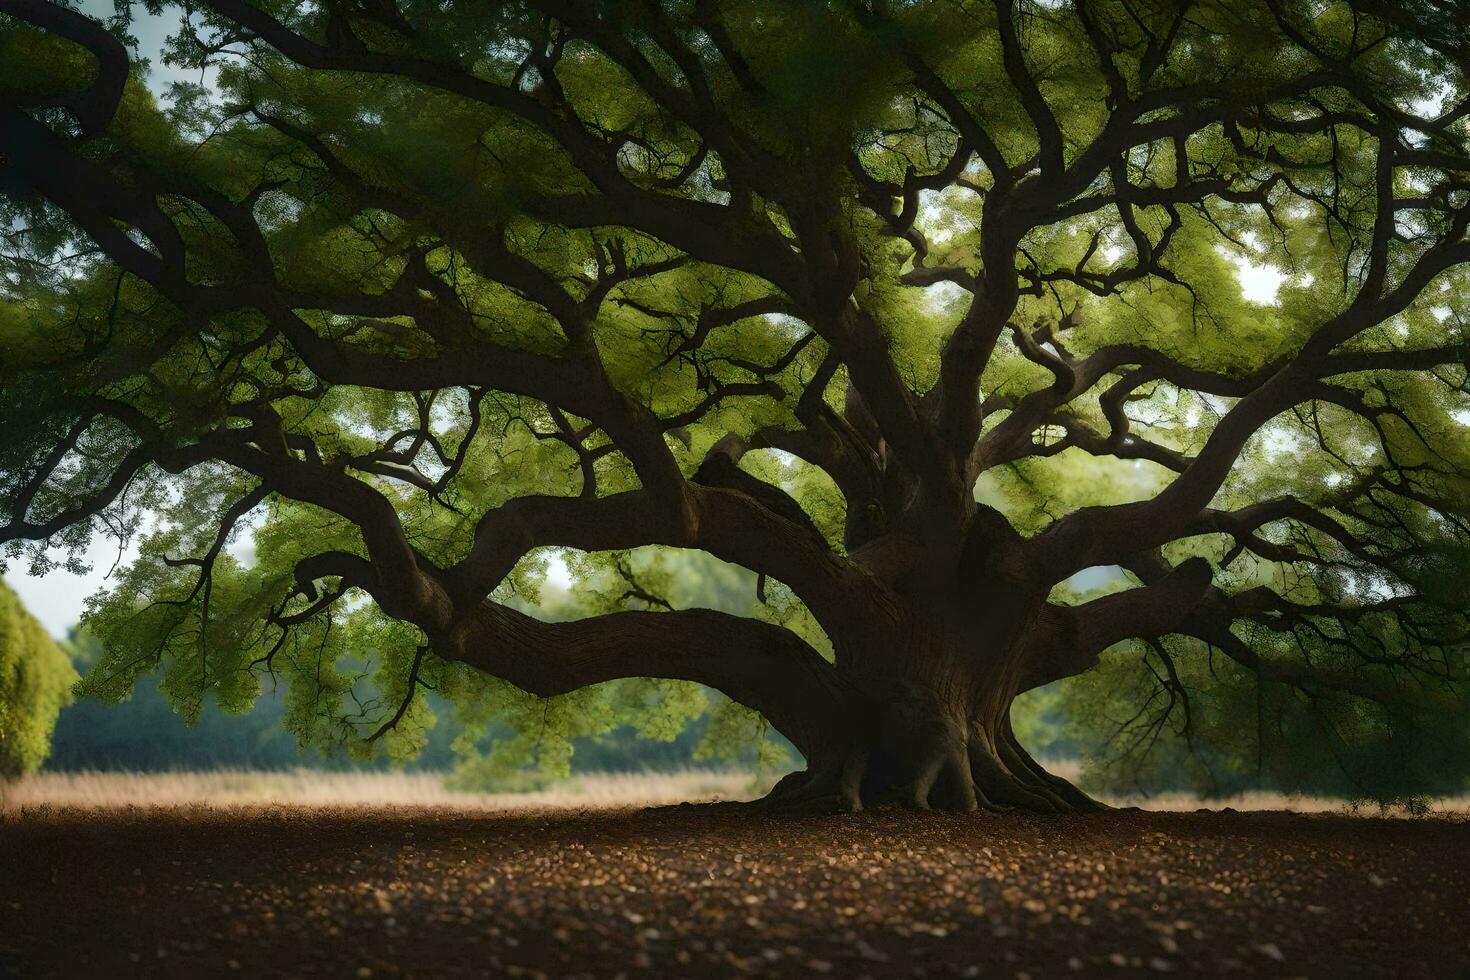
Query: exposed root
column 1001, row 786
column 828, row 789
column 1079, row 801
column 991, row 773
column 917, row 792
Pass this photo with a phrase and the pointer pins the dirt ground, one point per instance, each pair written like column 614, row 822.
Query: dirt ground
column 290, row 892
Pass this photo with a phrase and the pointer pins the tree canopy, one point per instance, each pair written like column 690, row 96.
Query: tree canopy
column 913, row 309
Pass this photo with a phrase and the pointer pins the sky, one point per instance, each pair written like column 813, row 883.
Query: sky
column 59, row 598
column 150, row 30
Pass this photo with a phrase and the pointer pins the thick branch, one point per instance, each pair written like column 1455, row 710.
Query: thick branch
column 762, row 666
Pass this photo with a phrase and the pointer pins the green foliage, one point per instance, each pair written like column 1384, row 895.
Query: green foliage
column 1204, row 724
column 35, row 684
column 145, row 732
column 401, row 221
column 343, row 677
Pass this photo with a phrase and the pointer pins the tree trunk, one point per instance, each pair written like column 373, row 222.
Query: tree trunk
column 923, row 750
column 929, row 722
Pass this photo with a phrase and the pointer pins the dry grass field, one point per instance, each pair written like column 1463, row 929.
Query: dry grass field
column 598, row 791
column 314, row 788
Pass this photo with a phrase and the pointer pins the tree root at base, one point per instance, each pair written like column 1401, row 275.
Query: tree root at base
column 990, row 772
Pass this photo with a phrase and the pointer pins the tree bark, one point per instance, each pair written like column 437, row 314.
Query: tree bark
column 932, row 732
column 926, row 716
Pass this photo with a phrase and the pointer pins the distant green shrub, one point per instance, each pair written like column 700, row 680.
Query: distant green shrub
column 36, row 679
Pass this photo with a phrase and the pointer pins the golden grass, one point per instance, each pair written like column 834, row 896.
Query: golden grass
column 36, row 794
column 1458, row 805
column 1296, row 803
column 315, row 788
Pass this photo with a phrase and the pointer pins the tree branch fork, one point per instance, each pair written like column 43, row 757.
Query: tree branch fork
column 919, row 555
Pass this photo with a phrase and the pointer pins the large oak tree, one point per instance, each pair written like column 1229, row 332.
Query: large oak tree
column 914, row 309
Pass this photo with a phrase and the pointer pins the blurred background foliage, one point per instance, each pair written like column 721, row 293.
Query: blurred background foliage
column 36, row 679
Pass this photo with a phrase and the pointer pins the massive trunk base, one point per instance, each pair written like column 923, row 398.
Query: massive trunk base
column 932, row 762
column 928, row 721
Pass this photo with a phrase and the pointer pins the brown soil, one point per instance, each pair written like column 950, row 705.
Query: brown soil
column 281, row 891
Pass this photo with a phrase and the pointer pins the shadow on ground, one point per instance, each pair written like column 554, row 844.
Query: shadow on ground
column 288, row 891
